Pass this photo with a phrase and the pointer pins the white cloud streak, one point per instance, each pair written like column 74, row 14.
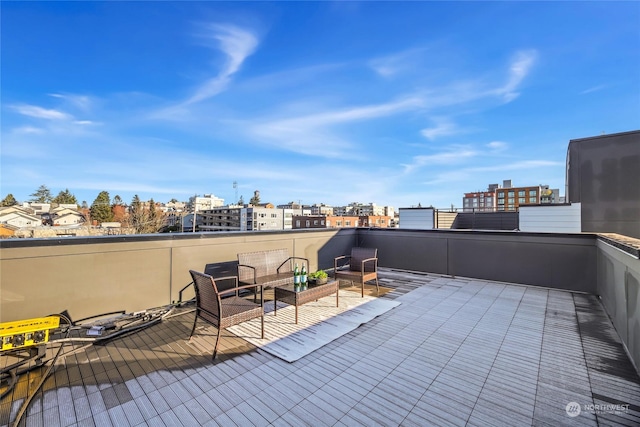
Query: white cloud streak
column 391, row 65
column 312, row 134
column 497, row 146
column 443, row 127
column 237, row 44
column 41, row 113
column 518, row 70
column 454, row 155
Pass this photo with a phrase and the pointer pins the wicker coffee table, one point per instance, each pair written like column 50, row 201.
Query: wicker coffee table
column 298, row 295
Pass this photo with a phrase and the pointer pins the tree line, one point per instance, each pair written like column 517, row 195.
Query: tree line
column 142, row 217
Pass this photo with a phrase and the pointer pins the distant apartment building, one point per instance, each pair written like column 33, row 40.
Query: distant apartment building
column 332, row 221
column 309, row 221
column 550, row 196
column 174, row 206
column 321, row 209
column 375, row 221
column 360, row 209
column 480, row 201
column 246, row 218
column 342, row 221
column 206, row 202
column 509, row 198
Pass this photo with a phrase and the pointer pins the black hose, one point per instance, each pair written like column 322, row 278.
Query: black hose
column 27, row 402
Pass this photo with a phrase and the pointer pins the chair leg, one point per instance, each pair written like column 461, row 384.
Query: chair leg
column 215, row 349
column 194, row 326
column 377, row 287
column 262, row 327
column 362, row 292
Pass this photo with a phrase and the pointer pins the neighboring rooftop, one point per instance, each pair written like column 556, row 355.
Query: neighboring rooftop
column 457, row 351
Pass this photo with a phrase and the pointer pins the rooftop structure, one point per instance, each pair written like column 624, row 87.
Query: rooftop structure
column 603, row 173
column 470, row 344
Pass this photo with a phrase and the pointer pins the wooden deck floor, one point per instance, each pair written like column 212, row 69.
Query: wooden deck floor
column 456, row 352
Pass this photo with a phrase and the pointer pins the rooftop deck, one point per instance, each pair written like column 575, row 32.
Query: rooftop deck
column 456, row 352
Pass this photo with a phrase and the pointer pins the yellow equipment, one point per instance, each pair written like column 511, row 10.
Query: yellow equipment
column 24, row 333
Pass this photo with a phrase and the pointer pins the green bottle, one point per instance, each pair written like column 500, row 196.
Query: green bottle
column 303, row 276
column 296, row 276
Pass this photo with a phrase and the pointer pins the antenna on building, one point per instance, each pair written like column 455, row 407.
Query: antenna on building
column 235, row 187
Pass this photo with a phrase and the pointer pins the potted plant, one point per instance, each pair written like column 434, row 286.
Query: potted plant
column 319, row 277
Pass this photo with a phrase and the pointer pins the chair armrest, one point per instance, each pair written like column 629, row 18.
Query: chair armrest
column 236, row 289
column 239, row 288
column 289, row 259
column 336, row 259
column 248, row 266
column 364, row 261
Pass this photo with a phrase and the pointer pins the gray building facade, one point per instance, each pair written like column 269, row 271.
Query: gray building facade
column 603, row 174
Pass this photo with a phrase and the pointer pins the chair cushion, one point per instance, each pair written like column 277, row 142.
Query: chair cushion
column 354, row 276
column 237, row 310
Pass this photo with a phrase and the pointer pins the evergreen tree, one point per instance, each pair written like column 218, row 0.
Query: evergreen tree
column 153, row 213
column 65, row 197
column 9, row 200
column 84, row 205
column 136, row 214
column 101, row 208
column 241, row 201
column 42, row 195
column 117, row 200
column 145, row 220
column 255, row 200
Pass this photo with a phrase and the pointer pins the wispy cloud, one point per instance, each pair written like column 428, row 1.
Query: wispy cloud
column 524, row 164
column 497, row 146
column 391, row 65
column 313, row 134
column 41, row 113
column 593, row 89
column 519, row 68
column 237, row 44
column 443, row 127
column 81, row 102
column 28, row 130
column 453, row 155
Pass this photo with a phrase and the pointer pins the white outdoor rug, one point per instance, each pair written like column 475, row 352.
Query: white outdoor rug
column 319, row 323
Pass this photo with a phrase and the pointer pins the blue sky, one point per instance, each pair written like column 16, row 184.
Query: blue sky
column 396, row 103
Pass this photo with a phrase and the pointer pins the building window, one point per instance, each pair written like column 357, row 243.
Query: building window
column 338, row 223
column 500, row 195
column 533, row 200
column 533, row 193
column 322, row 222
column 347, row 223
column 307, row 223
column 512, row 193
column 315, row 222
column 298, row 223
column 511, row 201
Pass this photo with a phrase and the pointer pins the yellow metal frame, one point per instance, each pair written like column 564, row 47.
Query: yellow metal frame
column 24, row 333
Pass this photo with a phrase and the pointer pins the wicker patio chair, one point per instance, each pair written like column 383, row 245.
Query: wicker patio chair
column 362, row 266
column 223, row 312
